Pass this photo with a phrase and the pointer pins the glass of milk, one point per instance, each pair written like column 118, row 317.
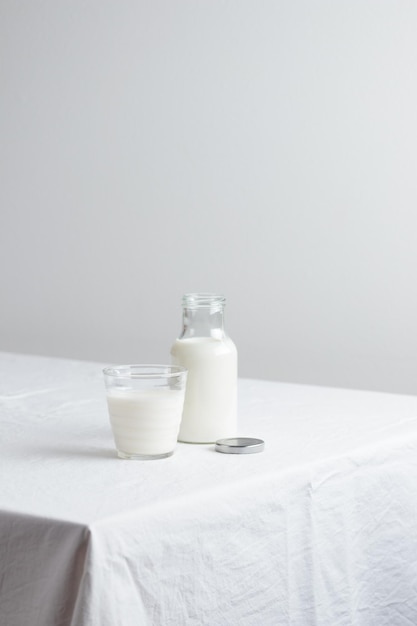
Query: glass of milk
column 145, row 405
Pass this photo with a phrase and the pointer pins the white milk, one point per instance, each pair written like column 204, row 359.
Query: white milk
column 210, row 405
column 145, row 422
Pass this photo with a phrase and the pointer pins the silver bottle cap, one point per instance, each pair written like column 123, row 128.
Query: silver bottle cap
column 239, row 445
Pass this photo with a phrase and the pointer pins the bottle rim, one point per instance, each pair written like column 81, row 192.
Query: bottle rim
column 200, row 300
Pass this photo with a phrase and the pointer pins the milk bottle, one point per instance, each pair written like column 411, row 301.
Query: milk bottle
column 210, row 356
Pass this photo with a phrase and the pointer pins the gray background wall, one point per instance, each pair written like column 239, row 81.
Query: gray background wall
column 266, row 150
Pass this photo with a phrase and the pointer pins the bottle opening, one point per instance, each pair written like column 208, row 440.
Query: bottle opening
column 199, row 300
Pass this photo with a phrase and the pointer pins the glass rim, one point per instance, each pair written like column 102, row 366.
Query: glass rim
column 144, row 371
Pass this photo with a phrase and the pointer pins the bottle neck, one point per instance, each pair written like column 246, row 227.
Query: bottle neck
column 203, row 316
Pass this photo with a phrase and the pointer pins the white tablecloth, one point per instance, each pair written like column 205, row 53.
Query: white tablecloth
column 320, row 528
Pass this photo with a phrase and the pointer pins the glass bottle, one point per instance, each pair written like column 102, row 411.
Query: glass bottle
column 210, row 356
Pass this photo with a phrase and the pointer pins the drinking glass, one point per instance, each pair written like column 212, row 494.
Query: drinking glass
column 145, row 404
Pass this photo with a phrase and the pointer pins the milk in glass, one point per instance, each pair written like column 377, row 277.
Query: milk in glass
column 145, row 405
column 145, row 422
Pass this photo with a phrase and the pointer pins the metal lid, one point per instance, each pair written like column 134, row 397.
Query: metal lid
column 239, row 445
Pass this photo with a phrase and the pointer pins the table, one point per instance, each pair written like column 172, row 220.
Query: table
column 320, row 528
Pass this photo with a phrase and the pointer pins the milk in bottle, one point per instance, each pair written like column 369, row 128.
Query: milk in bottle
column 210, row 356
